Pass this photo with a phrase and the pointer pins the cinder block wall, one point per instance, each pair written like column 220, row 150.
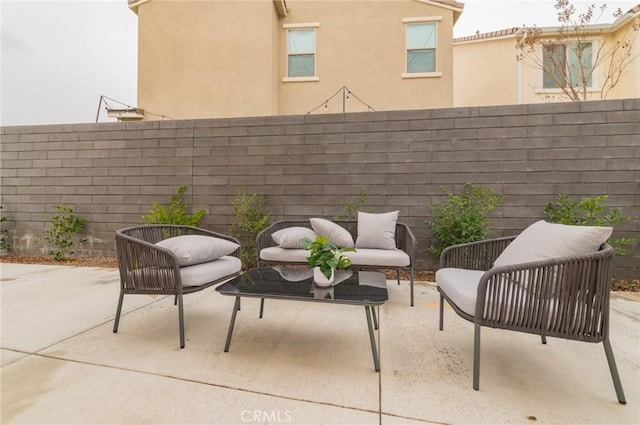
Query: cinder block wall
column 306, row 165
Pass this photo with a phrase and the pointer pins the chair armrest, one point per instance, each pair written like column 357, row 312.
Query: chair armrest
column 406, row 241
column 136, row 257
column 478, row 255
column 546, row 294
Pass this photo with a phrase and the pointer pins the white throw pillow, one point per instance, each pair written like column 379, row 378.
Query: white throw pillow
column 336, row 234
column 197, row 249
column 291, row 237
column 542, row 241
column 377, row 231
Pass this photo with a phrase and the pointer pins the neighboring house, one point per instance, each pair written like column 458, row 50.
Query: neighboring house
column 206, row 59
column 487, row 72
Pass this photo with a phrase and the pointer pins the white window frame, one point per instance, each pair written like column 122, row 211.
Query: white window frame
column 595, row 45
column 301, row 26
column 421, row 20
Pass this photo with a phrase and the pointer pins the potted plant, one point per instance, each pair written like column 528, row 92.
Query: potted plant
column 325, row 258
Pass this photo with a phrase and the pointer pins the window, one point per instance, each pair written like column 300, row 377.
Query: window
column 301, row 52
column 563, row 64
column 421, row 47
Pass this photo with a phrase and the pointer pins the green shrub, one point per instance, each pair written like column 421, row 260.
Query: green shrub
column 351, row 209
column 251, row 219
column 463, row 218
column 4, row 233
column 588, row 212
column 174, row 213
column 64, row 226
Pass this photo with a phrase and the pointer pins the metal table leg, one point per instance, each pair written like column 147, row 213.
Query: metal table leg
column 236, row 307
column 374, row 349
column 375, row 317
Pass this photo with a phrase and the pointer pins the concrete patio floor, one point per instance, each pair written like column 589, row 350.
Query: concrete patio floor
column 303, row 363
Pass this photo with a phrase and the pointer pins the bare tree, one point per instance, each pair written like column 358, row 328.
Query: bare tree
column 572, row 55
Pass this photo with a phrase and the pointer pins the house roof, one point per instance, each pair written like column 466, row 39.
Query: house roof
column 451, row 3
column 456, row 6
column 513, row 31
column 493, row 34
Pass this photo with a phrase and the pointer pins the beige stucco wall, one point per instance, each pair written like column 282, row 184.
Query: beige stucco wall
column 361, row 45
column 604, row 42
column 504, row 80
column 629, row 85
column 531, row 81
column 485, row 72
column 199, row 59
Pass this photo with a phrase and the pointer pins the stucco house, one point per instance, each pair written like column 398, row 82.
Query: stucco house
column 487, row 72
column 230, row 58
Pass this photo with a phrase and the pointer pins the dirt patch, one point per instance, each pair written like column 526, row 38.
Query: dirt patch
column 84, row 262
column 424, row 276
column 623, row 285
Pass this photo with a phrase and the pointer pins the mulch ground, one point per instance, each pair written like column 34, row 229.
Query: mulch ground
column 85, row 262
column 627, row 285
column 113, row 262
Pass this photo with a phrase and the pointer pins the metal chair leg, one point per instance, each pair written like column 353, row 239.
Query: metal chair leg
column 261, row 307
column 411, row 282
column 543, row 338
column 614, row 371
column 118, row 311
column 181, row 320
column 476, row 358
column 441, row 312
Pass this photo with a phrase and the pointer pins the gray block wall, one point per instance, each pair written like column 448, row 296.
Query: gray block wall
column 306, row 165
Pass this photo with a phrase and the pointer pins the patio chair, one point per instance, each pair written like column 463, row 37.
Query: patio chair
column 536, row 283
column 173, row 260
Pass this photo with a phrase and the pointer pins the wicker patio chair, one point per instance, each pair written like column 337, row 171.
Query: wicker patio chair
column 559, row 297
column 146, row 268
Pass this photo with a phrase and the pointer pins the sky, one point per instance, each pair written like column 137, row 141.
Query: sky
column 58, row 57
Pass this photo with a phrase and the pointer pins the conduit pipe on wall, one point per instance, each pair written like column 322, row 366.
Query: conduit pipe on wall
column 519, row 72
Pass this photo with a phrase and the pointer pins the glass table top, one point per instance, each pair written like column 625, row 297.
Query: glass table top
column 349, row 287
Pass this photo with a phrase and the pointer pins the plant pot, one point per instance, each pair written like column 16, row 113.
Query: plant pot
column 320, row 279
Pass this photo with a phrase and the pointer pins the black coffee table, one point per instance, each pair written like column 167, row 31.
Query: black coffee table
column 368, row 289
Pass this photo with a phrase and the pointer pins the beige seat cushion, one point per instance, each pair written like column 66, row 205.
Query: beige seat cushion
column 461, row 287
column 200, row 274
column 361, row 257
column 379, row 257
column 276, row 253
